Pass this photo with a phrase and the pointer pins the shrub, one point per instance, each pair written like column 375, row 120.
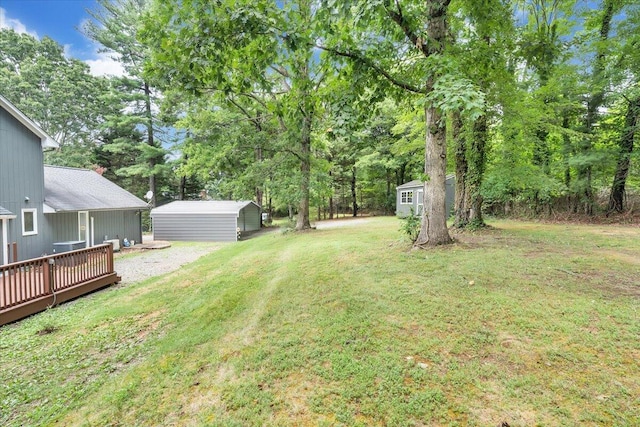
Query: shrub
column 411, row 226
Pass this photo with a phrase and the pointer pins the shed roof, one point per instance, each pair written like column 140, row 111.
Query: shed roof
column 411, row 184
column 45, row 140
column 418, row 183
column 71, row 190
column 202, row 206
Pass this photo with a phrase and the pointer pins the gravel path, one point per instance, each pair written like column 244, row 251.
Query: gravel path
column 138, row 266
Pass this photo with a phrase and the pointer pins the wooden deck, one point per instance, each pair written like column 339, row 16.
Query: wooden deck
column 30, row 286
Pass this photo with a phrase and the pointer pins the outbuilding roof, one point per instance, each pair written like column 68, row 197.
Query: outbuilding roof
column 71, row 190
column 45, row 140
column 202, row 206
column 418, row 183
column 411, row 184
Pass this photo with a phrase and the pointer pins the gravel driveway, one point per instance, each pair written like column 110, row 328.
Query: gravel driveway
column 138, row 266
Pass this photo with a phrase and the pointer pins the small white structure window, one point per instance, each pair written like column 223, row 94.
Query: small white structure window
column 29, row 222
column 406, row 197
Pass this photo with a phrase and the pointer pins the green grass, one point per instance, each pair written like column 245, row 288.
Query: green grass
column 533, row 324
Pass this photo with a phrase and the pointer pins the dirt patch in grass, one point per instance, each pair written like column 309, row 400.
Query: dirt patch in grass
column 614, row 285
column 628, row 257
column 47, row 330
column 294, row 392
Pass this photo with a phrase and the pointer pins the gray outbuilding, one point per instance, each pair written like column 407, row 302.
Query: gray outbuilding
column 410, row 197
column 205, row 220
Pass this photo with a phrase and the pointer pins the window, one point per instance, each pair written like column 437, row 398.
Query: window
column 406, row 197
column 29, row 222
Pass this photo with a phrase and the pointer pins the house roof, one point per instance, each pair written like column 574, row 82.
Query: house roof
column 418, row 183
column 6, row 214
column 45, row 140
column 202, row 206
column 72, row 190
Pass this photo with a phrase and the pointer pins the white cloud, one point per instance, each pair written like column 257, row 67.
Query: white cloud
column 105, row 65
column 67, row 51
column 100, row 64
column 14, row 24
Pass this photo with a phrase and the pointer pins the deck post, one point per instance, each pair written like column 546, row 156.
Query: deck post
column 110, row 258
column 46, row 276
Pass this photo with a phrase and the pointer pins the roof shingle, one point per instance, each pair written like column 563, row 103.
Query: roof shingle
column 71, row 189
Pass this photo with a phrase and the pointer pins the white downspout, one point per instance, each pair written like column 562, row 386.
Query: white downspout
column 92, row 235
column 5, row 251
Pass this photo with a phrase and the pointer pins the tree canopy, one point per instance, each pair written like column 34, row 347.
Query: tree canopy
column 325, row 107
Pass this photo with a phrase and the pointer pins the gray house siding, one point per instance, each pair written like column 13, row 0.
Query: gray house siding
column 64, row 227
column 117, row 224
column 112, row 224
column 22, row 176
column 195, row 227
column 416, row 188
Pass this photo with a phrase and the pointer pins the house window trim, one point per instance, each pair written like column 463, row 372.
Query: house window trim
column 33, row 232
column 406, row 197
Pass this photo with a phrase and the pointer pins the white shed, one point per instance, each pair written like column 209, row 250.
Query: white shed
column 409, row 197
column 207, row 220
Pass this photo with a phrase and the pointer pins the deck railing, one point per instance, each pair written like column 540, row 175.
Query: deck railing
column 30, row 286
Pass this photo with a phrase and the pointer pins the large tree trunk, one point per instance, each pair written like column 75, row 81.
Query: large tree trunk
column 477, row 163
column 152, row 161
column 433, row 229
column 566, row 150
column 183, row 187
column 259, row 188
column 302, row 88
column 302, row 222
column 353, row 192
column 616, row 198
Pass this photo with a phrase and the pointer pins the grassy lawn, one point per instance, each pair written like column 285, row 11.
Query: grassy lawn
column 532, row 324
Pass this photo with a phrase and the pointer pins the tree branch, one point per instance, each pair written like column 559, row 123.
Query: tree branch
column 369, row 63
column 280, row 70
column 254, row 120
column 397, row 17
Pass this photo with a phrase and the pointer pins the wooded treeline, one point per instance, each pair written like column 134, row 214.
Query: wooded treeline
column 324, row 107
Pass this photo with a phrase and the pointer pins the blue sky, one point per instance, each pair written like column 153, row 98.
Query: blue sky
column 59, row 20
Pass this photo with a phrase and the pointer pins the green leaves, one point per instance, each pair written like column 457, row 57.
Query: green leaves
column 56, row 92
column 454, row 92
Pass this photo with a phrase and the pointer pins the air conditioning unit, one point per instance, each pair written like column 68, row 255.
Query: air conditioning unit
column 115, row 243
